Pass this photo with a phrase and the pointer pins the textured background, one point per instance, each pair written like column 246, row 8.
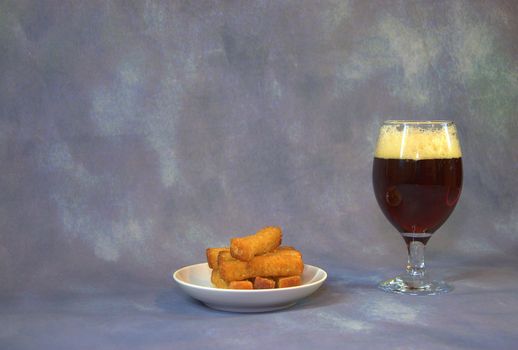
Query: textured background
column 133, row 134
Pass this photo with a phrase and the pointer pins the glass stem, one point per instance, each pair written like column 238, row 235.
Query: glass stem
column 415, row 267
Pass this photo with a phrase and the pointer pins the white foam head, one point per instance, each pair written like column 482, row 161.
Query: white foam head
column 418, row 140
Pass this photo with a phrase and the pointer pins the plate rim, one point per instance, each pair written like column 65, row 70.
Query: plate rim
column 252, row 291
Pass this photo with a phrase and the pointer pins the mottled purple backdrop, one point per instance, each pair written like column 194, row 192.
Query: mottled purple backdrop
column 136, row 133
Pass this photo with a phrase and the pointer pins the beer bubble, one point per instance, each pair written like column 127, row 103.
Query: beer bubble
column 393, row 197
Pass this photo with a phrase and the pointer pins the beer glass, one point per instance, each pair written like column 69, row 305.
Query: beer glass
column 417, row 179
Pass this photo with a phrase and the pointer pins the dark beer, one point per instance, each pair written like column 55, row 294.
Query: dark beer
column 417, row 180
column 417, row 196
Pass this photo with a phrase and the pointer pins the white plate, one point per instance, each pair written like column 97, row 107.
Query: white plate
column 195, row 281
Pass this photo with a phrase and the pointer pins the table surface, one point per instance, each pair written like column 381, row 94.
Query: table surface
column 348, row 311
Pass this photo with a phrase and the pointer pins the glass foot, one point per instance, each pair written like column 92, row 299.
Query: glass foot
column 413, row 286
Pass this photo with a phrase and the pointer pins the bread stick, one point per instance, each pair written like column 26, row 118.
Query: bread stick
column 265, row 240
column 290, row 281
column 284, row 247
column 271, row 264
column 225, row 255
column 263, row 283
column 217, row 281
column 212, row 256
column 285, row 251
column 241, row 285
